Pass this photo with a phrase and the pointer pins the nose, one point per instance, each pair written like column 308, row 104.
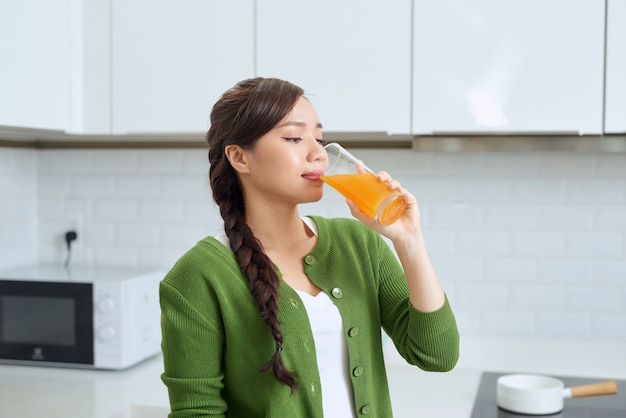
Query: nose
column 317, row 152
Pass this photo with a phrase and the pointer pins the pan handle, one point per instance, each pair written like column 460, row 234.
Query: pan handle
column 593, row 389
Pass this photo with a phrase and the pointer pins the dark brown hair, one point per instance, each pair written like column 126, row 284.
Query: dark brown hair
column 241, row 116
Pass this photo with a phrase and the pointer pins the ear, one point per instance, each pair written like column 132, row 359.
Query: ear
column 237, row 157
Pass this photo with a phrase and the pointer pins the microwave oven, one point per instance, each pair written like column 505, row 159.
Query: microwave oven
column 85, row 317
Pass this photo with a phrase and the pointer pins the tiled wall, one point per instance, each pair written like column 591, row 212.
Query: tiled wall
column 18, row 207
column 526, row 244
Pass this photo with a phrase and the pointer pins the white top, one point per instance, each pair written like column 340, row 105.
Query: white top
column 330, row 347
column 332, row 354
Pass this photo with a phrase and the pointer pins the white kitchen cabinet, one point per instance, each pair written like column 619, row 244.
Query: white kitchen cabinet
column 171, row 59
column 351, row 57
column 508, row 66
column 615, row 110
column 35, row 70
column 91, row 70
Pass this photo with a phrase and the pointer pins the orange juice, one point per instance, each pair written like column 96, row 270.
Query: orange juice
column 371, row 196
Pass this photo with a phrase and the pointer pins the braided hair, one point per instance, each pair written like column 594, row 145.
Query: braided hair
column 241, row 116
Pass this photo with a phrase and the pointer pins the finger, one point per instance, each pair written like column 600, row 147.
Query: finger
column 360, row 167
column 394, row 185
column 356, row 212
column 383, row 176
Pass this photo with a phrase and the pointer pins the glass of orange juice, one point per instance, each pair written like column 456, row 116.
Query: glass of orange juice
column 350, row 177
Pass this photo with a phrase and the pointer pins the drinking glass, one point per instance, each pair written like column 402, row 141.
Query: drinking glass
column 350, row 177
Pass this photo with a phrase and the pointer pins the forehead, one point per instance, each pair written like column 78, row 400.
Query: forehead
column 303, row 114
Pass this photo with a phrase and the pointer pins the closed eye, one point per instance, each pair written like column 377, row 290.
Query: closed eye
column 298, row 139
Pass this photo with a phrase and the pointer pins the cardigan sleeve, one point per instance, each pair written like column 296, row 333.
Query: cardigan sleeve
column 429, row 340
column 192, row 352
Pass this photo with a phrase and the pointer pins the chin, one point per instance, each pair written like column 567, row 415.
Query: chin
column 314, row 198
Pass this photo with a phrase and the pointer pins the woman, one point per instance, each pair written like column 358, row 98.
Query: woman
column 281, row 315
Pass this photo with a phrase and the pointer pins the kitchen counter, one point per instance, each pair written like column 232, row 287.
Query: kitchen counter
column 50, row 392
column 36, row 392
column 610, row 406
column 29, row 391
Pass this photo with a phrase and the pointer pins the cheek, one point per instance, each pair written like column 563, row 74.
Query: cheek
column 286, row 159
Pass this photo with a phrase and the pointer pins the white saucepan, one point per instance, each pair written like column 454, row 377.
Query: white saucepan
column 540, row 395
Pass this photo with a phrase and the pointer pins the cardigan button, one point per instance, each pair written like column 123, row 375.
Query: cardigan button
column 365, row 409
column 309, row 260
column 353, row 331
column 337, row 293
column 357, row 371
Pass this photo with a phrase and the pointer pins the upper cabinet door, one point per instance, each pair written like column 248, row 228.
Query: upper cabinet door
column 508, row 66
column 35, row 68
column 171, row 60
column 615, row 111
column 352, row 58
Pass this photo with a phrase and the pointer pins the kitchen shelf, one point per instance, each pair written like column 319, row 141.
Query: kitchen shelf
column 449, row 142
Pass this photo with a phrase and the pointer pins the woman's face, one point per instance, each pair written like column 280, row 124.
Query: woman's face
column 285, row 164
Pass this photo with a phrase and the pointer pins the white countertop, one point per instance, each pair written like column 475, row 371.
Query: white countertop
column 36, row 392
column 50, row 392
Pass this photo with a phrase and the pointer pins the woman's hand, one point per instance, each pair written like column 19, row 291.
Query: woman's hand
column 425, row 291
column 406, row 226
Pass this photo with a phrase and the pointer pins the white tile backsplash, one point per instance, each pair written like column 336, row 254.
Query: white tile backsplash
column 133, row 186
column 66, row 162
column 112, row 161
column 137, row 234
column 563, row 325
column 183, row 186
column 162, row 161
column 433, row 189
column 481, row 242
column 609, row 327
column 610, row 165
column 537, row 298
column 92, row 186
column 538, row 190
column 18, row 207
column 511, row 164
column 565, row 218
column 529, row 245
column 596, row 190
column 115, row 210
column 596, row 299
column 510, row 323
column 565, row 271
column 456, row 269
column 161, row 210
column 482, row 295
column 510, row 217
column 610, row 218
column 538, row 243
column 595, row 245
column 559, row 164
column 612, row 272
column 468, row 320
column 483, row 190
column 509, row 269
column 455, row 216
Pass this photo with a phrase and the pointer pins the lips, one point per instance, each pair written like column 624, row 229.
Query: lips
column 313, row 175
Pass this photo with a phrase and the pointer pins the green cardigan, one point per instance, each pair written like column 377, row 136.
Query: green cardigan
column 214, row 342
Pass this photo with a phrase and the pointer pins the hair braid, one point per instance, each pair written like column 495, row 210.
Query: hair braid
column 242, row 115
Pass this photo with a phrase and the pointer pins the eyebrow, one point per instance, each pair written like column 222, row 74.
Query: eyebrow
column 297, row 123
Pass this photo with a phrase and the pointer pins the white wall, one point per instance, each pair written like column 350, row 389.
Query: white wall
column 527, row 245
column 18, row 207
